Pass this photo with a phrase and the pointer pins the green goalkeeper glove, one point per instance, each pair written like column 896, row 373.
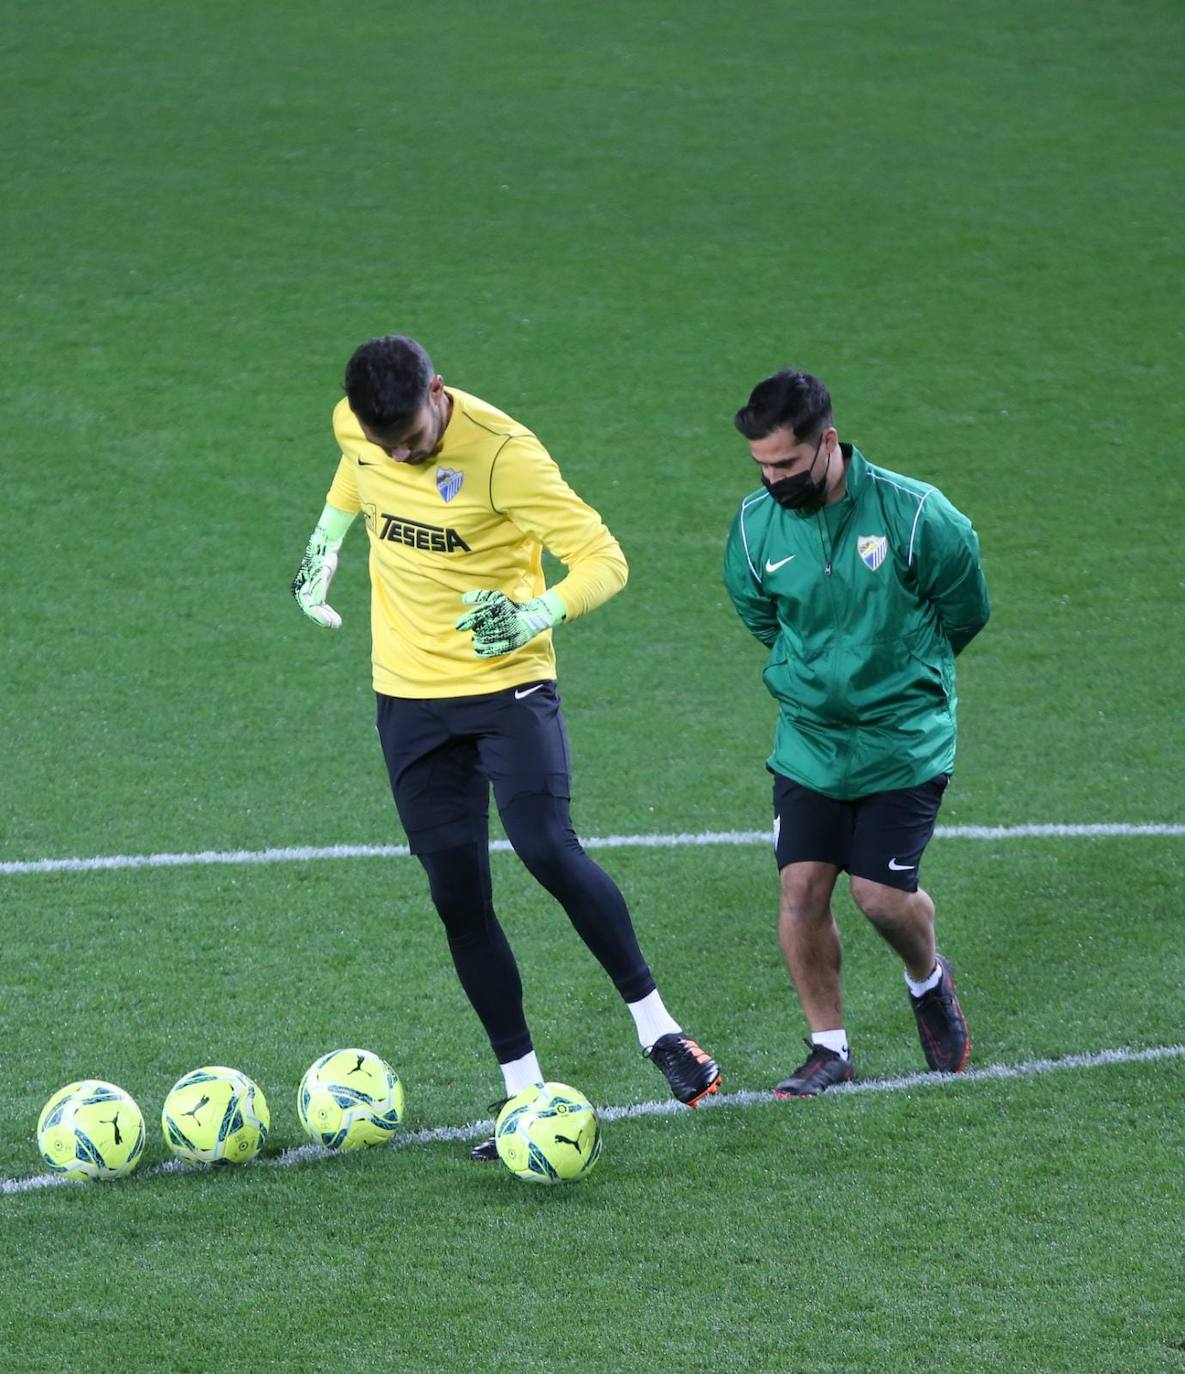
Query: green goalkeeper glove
column 311, row 583
column 500, row 625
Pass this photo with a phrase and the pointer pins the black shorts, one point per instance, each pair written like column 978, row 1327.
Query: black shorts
column 444, row 753
column 881, row 837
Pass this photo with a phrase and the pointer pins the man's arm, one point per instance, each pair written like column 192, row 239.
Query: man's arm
column 527, row 488
column 946, row 551
column 752, row 605
column 311, row 583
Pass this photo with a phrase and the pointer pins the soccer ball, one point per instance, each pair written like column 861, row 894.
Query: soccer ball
column 548, row 1133
column 215, row 1115
column 350, row 1099
column 91, row 1130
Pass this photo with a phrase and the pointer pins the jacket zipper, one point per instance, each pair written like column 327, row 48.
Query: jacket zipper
column 828, row 548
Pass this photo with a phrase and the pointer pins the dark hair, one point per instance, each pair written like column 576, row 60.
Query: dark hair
column 787, row 400
column 387, row 381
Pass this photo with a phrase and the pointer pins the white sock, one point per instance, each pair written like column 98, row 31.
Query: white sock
column 932, row 982
column 836, row 1040
column 652, row 1019
column 521, row 1073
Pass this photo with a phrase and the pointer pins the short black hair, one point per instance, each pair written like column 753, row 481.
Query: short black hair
column 387, row 381
column 787, row 400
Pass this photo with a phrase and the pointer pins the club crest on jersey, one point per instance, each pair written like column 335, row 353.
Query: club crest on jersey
column 872, row 549
column 448, row 483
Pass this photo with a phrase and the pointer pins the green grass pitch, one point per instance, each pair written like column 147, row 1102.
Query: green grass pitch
column 610, row 220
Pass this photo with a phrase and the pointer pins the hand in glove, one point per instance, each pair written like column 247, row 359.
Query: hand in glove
column 311, row 583
column 500, row 625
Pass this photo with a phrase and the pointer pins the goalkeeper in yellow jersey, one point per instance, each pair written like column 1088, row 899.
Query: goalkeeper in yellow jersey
column 459, row 502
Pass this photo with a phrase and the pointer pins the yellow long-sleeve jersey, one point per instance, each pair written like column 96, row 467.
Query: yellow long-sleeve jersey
column 477, row 514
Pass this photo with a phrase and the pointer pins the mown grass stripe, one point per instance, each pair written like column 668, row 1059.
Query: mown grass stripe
column 704, row 838
column 434, row 1135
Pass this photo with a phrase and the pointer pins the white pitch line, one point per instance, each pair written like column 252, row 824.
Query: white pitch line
column 701, row 839
column 991, row 1073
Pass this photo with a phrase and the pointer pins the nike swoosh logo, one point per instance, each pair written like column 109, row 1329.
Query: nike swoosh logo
column 900, row 868
column 518, row 696
column 362, row 463
column 773, row 567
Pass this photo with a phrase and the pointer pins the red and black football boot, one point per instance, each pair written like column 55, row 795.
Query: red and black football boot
column 942, row 1027
column 822, row 1069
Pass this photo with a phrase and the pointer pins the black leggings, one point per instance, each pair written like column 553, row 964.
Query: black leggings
column 540, row 830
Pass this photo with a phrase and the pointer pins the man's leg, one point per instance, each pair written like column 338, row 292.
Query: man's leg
column 892, row 830
column 526, row 758
column 810, row 941
column 811, row 834
column 539, row 828
column 459, row 882
column 904, row 920
column 443, row 802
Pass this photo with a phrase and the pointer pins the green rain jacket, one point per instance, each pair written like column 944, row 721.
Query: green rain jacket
column 863, row 606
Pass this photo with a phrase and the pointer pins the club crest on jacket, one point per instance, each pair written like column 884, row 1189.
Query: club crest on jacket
column 871, row 548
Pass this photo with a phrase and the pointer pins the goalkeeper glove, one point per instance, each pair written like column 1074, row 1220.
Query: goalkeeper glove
column 318, row 565
column 500, row 625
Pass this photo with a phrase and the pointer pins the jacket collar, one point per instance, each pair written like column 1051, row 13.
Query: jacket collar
column 857, row 473
column 855, row 480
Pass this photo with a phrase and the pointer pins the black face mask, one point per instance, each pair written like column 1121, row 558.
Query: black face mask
column 800, row 492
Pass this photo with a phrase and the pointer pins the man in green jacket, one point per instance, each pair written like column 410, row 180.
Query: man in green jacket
column 864, row 585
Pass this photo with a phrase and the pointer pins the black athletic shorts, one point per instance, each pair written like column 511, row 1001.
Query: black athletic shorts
column 881, row 837
column 444, row 753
